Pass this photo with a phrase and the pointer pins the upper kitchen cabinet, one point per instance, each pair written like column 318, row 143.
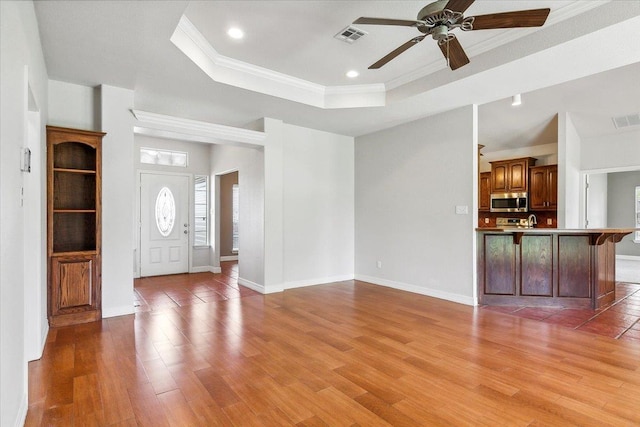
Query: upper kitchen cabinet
column 484, row 192
column 511, row 176
column 543, row 188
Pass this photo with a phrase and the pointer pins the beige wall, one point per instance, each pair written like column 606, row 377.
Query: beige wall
column 226, row 214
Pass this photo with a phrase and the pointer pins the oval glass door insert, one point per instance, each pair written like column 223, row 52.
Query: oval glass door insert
column 165, row 211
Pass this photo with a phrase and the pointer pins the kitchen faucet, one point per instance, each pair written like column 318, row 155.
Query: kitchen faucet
column 532, row 220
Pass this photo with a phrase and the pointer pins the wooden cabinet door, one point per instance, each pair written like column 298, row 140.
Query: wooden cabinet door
column 517, row 173
column 484, row 191
column 538, row 188
column 499, row 178
column 543, row 188
column 75, row 290
column 552, row 187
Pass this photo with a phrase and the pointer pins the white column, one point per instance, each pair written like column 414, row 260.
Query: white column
column 118, row 195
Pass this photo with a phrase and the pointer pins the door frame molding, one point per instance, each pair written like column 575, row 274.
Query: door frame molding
column 137, row 223
column 216, row 226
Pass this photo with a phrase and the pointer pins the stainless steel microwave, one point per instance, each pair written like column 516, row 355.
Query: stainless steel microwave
column 509, row 202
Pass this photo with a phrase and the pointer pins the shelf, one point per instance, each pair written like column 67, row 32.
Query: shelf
column 75, row 253
column 67, row 170
column 74, row 230
column 74, row 211
column 74, row 191
column 75, row 156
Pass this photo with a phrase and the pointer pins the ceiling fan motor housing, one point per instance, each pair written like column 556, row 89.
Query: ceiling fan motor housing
column 432, row 9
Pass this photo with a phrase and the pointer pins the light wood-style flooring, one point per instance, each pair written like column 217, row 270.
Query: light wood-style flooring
column 342, row 354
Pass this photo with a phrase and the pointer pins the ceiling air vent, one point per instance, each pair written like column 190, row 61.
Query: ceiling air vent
column 350, row 34
column 626, row 121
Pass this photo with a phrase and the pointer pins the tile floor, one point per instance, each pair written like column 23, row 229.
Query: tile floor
column 620, row 320
column 172, row 291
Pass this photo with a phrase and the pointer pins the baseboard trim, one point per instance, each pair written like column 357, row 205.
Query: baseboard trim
column 317, row 281
column 251, row 285
column 205, row 269
column 21, row 416
column 118, row 311
column 229, row 258
column 628, row 257
column 435, row 293
column 260, row 288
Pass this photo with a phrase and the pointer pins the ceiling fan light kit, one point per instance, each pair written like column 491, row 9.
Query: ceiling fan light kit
column 440, row 18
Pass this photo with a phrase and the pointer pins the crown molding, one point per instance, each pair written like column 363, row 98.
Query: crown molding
column 170, row 127
column 222, row 69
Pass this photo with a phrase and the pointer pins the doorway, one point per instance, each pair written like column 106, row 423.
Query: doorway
column 229, row 216
column 164, row 224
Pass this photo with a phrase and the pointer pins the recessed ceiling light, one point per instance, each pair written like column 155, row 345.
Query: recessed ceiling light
column 235, row 33
column 352, row 74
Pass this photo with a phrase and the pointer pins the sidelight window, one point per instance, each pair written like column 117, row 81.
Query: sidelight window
column 637, row 236
column 236, row 216
column 201, row 209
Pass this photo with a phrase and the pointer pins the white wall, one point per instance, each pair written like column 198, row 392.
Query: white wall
column 617, row 151
column 570, row 186
column 318, row 184
column 546, row 154
column 73, row 106
column 273, row 205
column 249, row 162
column 408, row 182
column 198, row 164
column 118, row 196
column 21, row 66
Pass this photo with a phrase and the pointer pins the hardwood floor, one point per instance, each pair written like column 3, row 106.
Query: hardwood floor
column 342, row 354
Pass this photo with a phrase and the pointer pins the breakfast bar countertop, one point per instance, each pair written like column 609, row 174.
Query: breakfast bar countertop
column 560, row 230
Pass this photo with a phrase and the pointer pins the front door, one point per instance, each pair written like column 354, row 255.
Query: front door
column 164, row 224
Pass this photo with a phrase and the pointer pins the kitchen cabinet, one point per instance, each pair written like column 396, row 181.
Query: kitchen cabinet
column 484, row 192
column 543, row 188
column 73, row 225
column 511, row 176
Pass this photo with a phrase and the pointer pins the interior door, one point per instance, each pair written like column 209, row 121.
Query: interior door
column 164, row 224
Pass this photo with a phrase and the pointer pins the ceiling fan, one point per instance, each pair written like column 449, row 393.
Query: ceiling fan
column 439, row 18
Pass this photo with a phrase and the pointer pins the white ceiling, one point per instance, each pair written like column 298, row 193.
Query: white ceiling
column 127, row 44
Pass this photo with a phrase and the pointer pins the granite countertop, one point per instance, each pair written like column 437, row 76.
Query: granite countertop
column 560, row 230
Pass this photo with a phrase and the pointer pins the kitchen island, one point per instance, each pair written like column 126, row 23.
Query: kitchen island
column 547, row 267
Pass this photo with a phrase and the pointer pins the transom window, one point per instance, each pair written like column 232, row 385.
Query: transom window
column 155, row 156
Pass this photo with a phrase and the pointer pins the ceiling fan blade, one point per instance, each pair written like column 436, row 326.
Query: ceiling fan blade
column 385, row 21
column 522, row 18
column 457, row 56
column 459, row 5
column 414, row 41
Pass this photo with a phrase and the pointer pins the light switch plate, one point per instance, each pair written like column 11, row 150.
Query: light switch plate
column 462, row 210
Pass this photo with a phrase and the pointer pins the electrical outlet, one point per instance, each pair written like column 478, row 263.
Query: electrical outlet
column 486, row 220
column 549, row 221
column 379, row 264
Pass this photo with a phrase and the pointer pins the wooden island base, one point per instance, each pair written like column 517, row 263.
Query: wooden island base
column 547, row 267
